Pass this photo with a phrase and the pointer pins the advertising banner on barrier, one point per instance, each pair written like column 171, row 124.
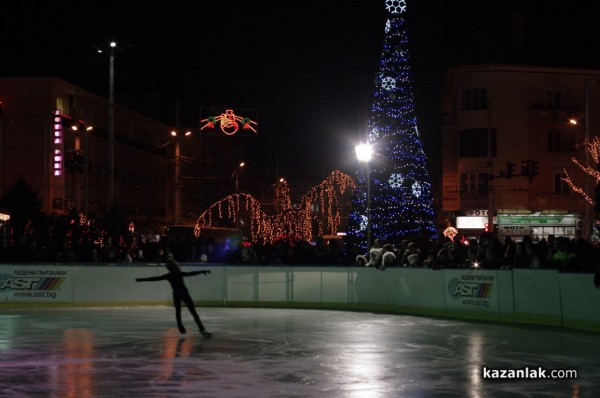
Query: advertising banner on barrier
column 471, row 290
column 35, row 284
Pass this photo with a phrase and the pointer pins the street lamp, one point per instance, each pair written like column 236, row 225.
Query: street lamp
column 236, row 174
column 112, row 47
column 587, row 215
column 364, row 153
column 83, row 127
column 111, row 125
column 176, row 135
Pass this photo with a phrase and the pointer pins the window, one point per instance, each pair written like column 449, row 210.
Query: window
column 62, row 105
column 561, row 141
column 483, row 183
column 474, row 143
column 473, row 183
column 473, row 99
column 560, row 186
column 554, row 98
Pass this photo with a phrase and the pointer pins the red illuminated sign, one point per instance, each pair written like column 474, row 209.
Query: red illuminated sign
column 229, row 122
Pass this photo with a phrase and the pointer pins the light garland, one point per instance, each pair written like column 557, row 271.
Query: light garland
column 302, row 223
column 593, row 149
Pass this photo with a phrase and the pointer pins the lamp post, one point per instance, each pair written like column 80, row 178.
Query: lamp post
column 587, row 212
column 85, row 128
column 587, row 217
column 176, row 135
column 236, row 174
column 111, row 127
column 364, row 153
column 112, row 47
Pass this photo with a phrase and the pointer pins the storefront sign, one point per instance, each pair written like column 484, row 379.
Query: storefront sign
column 471, row 222
column 513, row 230
column 537, row 220
column 476, row 213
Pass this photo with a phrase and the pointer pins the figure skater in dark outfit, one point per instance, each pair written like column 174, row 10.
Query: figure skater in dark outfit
column 180, row 293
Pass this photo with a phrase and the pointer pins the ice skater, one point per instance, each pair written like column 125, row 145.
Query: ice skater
column 180, row 293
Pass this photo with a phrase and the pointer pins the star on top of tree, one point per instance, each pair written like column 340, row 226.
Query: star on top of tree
column 395, row 6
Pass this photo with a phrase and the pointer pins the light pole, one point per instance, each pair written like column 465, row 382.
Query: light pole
column 364, row 153
column 587, row 218
column 111, row 127
column 175, row 135
column 112, row 47
column 85, row 128
column 587, row 212
column 236, row 174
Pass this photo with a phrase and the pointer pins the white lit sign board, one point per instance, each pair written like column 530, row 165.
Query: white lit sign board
column 471, row 222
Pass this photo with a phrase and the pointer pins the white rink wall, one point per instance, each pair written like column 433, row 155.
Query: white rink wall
column 541, row 297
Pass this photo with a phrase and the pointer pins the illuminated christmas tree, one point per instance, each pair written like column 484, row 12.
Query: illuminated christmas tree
column 401, row 202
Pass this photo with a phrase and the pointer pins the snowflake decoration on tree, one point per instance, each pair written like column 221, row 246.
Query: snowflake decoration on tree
column 417, row 189
column 375, row 133
column 363, row 222
column 388, row 83
column 395, row 6
column 396, row 180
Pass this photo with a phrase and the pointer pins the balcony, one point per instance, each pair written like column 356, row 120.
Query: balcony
column 473, row 201
column 548, row 115
column 566, row 202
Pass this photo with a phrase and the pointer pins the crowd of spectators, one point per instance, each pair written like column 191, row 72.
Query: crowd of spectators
column 486, row 252
column 156, row 249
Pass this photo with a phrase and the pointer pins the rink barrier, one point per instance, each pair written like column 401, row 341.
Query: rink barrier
column 520, row 296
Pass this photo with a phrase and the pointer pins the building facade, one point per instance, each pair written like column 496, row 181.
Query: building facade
column 70, row 168
column 509, row 141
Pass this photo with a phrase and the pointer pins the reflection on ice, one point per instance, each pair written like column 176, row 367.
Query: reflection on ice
column 474, row 363
column 76, row 367
column 273, row 353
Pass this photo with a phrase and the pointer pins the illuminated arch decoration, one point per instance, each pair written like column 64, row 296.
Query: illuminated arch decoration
column 229, row 122
column 316, row 215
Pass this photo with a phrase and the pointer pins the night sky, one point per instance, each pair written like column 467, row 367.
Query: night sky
column 305, row 67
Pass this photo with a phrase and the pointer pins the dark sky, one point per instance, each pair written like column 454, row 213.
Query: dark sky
column 306, row 67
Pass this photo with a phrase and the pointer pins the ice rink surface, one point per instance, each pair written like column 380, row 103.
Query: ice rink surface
column 137, row 352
